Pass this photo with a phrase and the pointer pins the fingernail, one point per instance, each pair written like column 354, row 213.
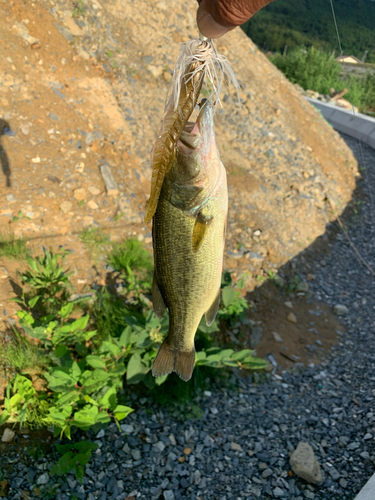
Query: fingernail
column 209, row 27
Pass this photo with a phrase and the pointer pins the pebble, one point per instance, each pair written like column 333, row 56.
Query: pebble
column 91, row 204
column 80, row 167
column 80, row 194
column 10, row 198
column 291, row 318
column 43, row 479
column 25, row 130
column 8, row 435
column 305, row 464
column 340, row 310
column 168, row 495
column 94, row 190
column 66, row 206
column 236, row 447
column 277, row 337
column 288, row 304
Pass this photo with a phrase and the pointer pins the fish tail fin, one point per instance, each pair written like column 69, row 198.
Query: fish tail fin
column 170, row 360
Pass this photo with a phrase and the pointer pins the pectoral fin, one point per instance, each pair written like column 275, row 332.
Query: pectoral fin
column 211, row 313
column 157, row 299
column 200, row 229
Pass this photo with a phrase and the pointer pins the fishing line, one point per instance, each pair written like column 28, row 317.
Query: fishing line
column 337, row 30
column 364, row 166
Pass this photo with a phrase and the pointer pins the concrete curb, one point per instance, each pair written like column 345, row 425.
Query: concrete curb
column 368, row 491
column 357, row 125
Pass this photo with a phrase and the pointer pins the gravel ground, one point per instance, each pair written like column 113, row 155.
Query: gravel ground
column 240, row 447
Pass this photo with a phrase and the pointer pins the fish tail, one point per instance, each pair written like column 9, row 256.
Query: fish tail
column 170, row 360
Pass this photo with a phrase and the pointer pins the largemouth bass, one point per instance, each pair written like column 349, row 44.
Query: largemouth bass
column 188, row 239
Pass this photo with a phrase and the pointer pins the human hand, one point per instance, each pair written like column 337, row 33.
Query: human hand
column 217, row 17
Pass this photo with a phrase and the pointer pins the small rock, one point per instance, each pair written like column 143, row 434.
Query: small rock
column 127, row 428
column 343, row 483
column 266, row 473
column 168, row 495
column 136, row 454
column 255, row 336
column 305, row 464
column 187, row 451
column 54, row 117
column 100, row 434
column 255, row 257
column 334, row 473
column 291, row 317
column 109, row 181
column 43, row 479
column 35, row 160
column 236, row 447
column 91, row 204
column 288, row 304
column 156, row 71
column 160, row 445
column 172, row 439
column 80, row 167
column 167, row 76
column 10, row 198
column 367, row 436
column 340, row 310
column 25, row 130
column 79, row 194
column 94, row 190
column 8, row 435
column 302, row 287
column 278, row 492
column 66, row 206
column 276, row 337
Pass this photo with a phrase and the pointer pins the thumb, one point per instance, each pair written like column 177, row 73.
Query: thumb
column 217, row 17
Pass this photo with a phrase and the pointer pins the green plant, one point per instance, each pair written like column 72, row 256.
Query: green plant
column 134, row 263
column 79, row 9
column 12, row 247
column 20, row 216
column 47, row 280
column 130, row 255
column 74, row 456
column 93, row 237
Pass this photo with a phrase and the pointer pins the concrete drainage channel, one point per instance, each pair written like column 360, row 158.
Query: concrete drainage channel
column 360, row 127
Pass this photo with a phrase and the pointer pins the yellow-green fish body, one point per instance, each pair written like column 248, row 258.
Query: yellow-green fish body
column 188, row 239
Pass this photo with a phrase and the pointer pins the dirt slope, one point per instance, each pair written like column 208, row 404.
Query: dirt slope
column 85, row 82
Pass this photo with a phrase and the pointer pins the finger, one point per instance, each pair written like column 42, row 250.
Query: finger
column 217, row 17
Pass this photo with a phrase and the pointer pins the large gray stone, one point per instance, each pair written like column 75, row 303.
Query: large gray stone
column 305, row 464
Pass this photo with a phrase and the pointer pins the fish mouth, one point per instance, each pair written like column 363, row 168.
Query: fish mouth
column 190, row 137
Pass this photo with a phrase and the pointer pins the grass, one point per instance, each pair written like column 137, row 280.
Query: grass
column 12, row 247
column 93, row 239
column 79, row 9
column 130, row 254
column 21, row 355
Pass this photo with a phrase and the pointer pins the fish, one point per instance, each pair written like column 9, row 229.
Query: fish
column 188, row 234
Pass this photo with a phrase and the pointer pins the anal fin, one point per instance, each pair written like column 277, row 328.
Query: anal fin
column 212, row 311
column 157, row 299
